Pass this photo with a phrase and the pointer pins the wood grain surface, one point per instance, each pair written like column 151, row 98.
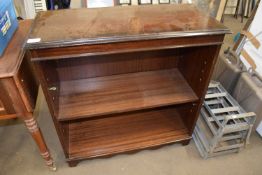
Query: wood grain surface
column 122, row 93
column 124, row 47
column 125, row 78
column 125, row 132
column 100, row 25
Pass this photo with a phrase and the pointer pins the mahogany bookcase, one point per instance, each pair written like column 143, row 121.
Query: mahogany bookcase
column 122, row 79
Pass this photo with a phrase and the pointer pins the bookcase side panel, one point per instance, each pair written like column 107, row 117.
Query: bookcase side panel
column 197, row 66
column 49, row 80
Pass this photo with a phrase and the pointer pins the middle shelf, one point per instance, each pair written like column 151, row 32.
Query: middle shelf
column 84, row 98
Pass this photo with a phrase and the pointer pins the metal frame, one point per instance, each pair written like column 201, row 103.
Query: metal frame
column 223, row 126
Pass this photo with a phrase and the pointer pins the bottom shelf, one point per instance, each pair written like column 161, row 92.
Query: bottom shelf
column 125, row 132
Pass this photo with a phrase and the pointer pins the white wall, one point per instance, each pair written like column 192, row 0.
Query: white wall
column 20, row 8
column 25, row 8
column 76, row 4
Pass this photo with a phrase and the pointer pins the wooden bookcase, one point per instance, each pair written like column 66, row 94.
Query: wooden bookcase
column 125, row 78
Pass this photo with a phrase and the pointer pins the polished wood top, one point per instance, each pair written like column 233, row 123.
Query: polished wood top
column 13, row 55
column 115, row 24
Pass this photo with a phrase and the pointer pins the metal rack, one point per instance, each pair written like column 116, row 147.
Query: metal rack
column 223, row 126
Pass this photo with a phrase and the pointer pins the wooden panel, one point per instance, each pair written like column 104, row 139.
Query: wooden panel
column 7, row 116
column 196, row 66
column 27, row 84
column 5, row 100
column 190, row 110
column 122, row 24
column 198, row 76
column 49, row 78
column 95, row 66
column 126, row 132
column 2, row 108
column 122, row 93
column 13, row 97
column 124, row 47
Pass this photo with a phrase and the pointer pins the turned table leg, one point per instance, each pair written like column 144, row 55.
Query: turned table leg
column 10, row 86
column 35, row 131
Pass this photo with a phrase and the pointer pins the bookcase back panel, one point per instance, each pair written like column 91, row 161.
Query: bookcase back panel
column 106, row 65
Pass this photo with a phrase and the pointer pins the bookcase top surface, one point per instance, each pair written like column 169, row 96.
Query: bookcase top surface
column 118, row 24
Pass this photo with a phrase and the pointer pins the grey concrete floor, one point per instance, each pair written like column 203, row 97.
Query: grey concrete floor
column 19, row 154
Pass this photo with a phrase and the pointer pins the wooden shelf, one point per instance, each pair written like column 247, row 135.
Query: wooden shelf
column 122, row 93
column 125, row 132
